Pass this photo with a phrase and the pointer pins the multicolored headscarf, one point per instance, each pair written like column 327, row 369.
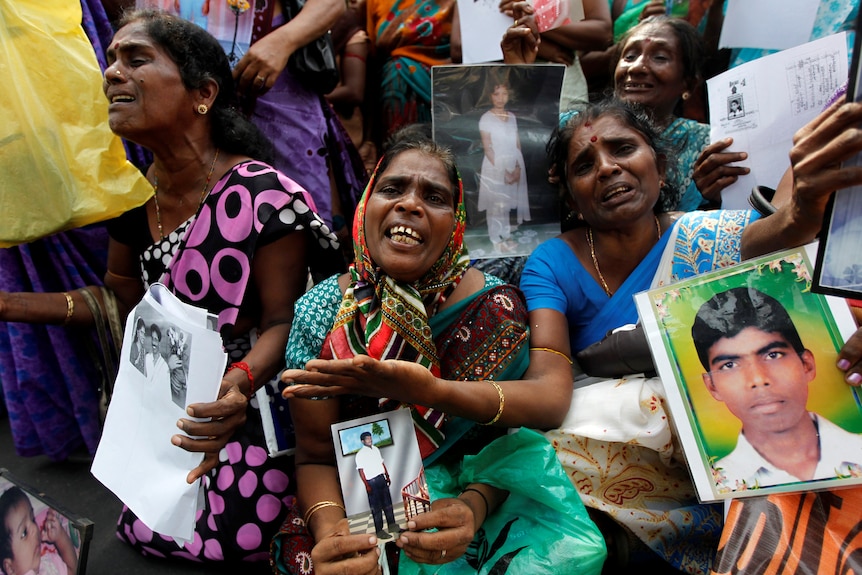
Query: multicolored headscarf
column 387, row 319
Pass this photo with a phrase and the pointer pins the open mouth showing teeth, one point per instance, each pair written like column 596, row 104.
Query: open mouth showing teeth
column 405, row 235
column 122, row 98
column 615, row 191
column 636, row 86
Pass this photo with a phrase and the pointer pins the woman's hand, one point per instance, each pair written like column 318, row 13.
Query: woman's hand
column 711, row 170
column 404, row 381
column 455, row 528
column 520, row 43
column 225, row 416
column 819, row 151
column 259, row 68
column 342, row 553
column 850, row 359
column 653, row 8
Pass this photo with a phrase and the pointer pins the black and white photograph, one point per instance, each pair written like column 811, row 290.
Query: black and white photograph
column 497, row 120
column 160, row 351
column 381, row 473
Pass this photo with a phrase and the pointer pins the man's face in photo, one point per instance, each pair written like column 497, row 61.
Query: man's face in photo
column 761, row 379
column 366, row 440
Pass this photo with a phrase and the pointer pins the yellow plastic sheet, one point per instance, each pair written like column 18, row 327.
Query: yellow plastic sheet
column 61, row 167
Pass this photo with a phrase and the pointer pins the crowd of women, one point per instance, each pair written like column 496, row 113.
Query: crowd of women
column 254, row 177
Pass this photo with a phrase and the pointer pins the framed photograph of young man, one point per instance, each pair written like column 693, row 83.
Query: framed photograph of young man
column 748, row 359
column 497, row 120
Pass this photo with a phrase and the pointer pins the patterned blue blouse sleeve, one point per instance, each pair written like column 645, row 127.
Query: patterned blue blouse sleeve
column 314, row 315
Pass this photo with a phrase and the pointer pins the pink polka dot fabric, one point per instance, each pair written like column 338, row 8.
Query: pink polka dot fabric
column 248, row 493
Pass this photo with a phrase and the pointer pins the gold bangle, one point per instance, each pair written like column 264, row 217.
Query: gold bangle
column 549, row 350
column 70, row 307
column 320, row 505
column 502, row 402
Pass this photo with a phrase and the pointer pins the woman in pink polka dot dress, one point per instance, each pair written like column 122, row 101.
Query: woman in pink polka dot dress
column 224, row 231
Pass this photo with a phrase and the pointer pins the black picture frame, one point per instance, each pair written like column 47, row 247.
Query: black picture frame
column 842, row 222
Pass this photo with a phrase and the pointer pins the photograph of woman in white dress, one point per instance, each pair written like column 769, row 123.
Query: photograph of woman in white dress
column 503, row 178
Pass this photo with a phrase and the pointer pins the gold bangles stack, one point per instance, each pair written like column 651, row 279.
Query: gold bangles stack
column 320, row 505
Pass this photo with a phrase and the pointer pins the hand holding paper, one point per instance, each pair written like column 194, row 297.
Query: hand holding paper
column 221, row 418
column 137, row 458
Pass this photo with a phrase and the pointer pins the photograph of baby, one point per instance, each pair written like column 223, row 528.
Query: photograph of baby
column 497, row 119
column 381, row 473
column 36, row 537
column 752, row 352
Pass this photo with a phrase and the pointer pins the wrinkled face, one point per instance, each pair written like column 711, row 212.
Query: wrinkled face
column 147, row 97
column 612, row 173
column 761, row 379
column 500, row 97
column 410, row 215
column 650, row 70
column 26, row 541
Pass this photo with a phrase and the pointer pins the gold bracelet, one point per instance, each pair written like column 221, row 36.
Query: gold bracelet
column 320, row 505
column 549, row 350
column 502, row 402
column 70, row 307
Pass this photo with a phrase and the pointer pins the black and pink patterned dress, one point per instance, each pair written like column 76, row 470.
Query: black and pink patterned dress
column 207, row 262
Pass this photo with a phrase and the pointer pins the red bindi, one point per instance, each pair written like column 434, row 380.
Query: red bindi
column 593, row 139
column 587, row 124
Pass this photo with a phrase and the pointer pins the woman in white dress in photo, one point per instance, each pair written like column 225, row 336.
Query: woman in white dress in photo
column 503, row 179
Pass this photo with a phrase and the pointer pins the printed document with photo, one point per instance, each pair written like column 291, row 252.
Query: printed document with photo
column 747, row 356
column 761, row 105
column 171, row 357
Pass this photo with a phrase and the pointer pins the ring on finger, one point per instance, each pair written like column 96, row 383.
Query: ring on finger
column 260, row 80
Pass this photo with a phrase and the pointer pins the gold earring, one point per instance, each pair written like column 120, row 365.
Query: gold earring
column 686, row 95
column 203, row 109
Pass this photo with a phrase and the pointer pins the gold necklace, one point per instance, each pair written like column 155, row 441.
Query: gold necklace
column 592, row 245
column 203, row 194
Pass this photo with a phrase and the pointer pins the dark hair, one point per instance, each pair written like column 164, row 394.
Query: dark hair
column 155, row 329
column 200, row 58
column 418, row 137
column 11, row 498
column 727, row 313
column 633, row 116
column 363, row 435
column 140, row 324
column 690, row 43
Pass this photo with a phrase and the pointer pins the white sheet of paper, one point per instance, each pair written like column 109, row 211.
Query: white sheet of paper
column 482, row 28
column 768, row 24
column 135, row 458
column 777, row 95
